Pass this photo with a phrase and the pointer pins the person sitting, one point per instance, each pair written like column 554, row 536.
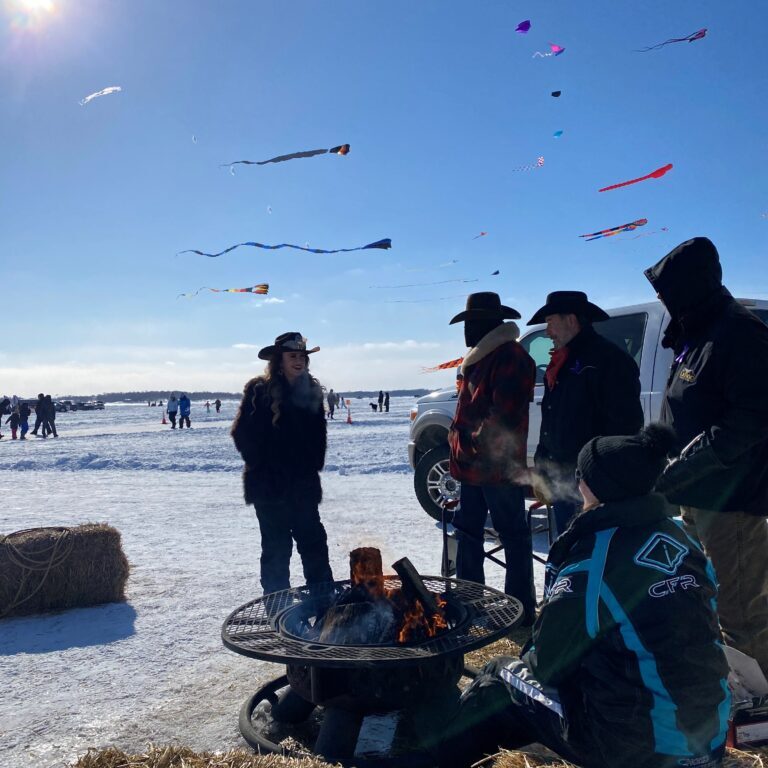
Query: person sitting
column 625, row 667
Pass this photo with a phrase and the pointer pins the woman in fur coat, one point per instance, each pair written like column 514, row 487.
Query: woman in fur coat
column 280, row 431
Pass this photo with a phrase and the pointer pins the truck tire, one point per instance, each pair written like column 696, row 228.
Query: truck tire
column 432, row 481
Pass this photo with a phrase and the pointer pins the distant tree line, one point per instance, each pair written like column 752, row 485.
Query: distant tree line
column 157, row 394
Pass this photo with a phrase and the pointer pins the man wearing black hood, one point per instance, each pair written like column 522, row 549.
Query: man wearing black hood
column 716, row 402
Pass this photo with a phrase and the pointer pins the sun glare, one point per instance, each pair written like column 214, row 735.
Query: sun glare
column 26, row 14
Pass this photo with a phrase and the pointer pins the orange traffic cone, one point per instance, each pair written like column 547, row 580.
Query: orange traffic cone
column 349, row 413
column 163, row 421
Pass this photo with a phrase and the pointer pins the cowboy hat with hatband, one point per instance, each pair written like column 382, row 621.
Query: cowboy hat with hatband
column 569, row 303
column 485, row 306
column 292, row 341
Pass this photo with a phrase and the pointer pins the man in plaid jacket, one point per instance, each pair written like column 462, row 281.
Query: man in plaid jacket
column 488, row 441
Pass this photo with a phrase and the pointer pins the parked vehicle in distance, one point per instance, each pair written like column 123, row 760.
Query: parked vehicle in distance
column 62, row 406
column 88, row 405
column 638, row 329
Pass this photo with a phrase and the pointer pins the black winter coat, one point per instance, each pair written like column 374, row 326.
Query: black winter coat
column 628, row 635
column 282, row 456
column 597, row 392
column 716, row 386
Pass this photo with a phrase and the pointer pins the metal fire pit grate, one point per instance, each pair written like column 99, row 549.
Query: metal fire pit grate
column 252, row 629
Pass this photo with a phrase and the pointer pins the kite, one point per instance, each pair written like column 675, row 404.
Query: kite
column 555, row 50
column 648, row 234
column 556, row 94
column 689, row 39
column 557, row 134
column 342, row 149
column 381, row 244
column 615, row 230
column 482, row 234
column 531, row 166
column 194, row 139
column 262, row 289
column 449, row 263
column 657, row 174
column 102, row 92
column 523, row 27
column 444, row 366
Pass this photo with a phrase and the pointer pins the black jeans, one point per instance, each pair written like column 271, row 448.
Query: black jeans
column 183, row 418
column 283, row 521
column 172, row 418
column 507, row 507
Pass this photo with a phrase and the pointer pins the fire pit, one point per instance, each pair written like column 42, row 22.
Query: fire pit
column 363, row 647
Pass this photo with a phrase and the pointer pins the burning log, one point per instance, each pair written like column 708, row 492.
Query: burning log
column 414, row 587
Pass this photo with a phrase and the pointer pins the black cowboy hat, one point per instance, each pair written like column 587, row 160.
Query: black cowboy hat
column 292, row 341
column 569, row 303
column 485, row 306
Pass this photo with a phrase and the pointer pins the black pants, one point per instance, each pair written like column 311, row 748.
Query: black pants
column 505, row 707
column 38, row 422
column 49, row 426
column 172, row 418
column 182, row 418
column 292, row 518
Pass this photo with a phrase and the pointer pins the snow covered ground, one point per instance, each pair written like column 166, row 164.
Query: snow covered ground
column 154, row 669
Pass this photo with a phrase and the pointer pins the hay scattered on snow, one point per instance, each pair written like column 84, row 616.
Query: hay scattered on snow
column 52, row 569
column 182, row 757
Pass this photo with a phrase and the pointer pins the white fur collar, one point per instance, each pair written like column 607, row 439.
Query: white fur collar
column 501, row 334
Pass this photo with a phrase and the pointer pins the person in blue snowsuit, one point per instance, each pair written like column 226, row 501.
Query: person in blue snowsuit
column 185, row 408
column 625, row 666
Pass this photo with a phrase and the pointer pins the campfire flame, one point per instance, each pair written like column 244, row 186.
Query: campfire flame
column 367, row 574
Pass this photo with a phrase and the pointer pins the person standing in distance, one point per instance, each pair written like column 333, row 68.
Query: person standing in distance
column 488, row 445
column 280, row 431
column 591, row 388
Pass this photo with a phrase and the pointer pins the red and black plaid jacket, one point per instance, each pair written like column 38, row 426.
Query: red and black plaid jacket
column 489, row 434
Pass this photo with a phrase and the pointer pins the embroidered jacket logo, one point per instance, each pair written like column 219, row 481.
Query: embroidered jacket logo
column 670, row 586
column 688, row 375
column 661, row 552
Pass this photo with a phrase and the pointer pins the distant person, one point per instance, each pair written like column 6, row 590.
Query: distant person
column 342, row 401
column 207, row 407
column 5, row 408
column 160, row 403
column 24, row 413
column 172, row 410
column 331, row 399
column 381, row 400
column 281, row 432
column 13, row 420
column 149, row 404
column 49, row 424
column 185, row 408
column 39, row 413
column 386, row 402
column 217, row 403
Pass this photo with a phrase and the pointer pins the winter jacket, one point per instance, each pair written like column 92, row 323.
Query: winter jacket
column 488, row 438
column 173, row 405
column 13, row 420
column 24, row 412
column 597, row 392
column 628, row 635
column 185, row 406
column 5, row 406
column 716, row 389
column 289, row 453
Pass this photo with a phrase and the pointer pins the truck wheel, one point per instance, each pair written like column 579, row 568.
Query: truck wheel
column 433, row 482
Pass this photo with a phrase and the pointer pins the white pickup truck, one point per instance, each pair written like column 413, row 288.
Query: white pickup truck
column 637, row 328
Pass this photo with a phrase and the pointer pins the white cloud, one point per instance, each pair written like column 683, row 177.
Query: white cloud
column 169, row 362
column 273, row 300
column 245, row 346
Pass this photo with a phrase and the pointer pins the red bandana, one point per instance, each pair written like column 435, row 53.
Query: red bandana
column 556, row 362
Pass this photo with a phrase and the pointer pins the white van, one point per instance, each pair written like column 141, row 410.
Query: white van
column 638, row 329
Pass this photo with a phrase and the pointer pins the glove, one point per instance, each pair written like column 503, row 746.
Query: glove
column 696, row 461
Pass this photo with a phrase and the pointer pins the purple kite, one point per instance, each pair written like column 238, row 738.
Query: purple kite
column 523, row 27
column 702, row 33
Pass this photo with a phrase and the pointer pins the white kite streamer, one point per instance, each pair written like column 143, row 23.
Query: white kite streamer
column 103, row 92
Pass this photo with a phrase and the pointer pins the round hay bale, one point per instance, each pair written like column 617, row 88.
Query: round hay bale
column 52, row 569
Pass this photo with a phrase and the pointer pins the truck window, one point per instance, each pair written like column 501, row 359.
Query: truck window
column 625, row 331
column 761, row 313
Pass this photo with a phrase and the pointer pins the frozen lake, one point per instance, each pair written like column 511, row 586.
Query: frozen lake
column 154, row 669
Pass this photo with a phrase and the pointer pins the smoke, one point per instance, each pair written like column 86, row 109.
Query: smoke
column 304, row 394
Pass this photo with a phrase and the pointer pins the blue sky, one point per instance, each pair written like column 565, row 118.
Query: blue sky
column 439, row 100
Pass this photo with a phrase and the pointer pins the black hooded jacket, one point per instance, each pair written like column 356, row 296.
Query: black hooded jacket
column 716, row 386
column 283, row 456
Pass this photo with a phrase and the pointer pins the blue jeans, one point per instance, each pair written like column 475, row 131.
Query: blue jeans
column 506, row 504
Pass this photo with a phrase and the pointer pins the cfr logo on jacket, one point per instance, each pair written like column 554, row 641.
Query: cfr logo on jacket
column 688, row 375
column 668, row 586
